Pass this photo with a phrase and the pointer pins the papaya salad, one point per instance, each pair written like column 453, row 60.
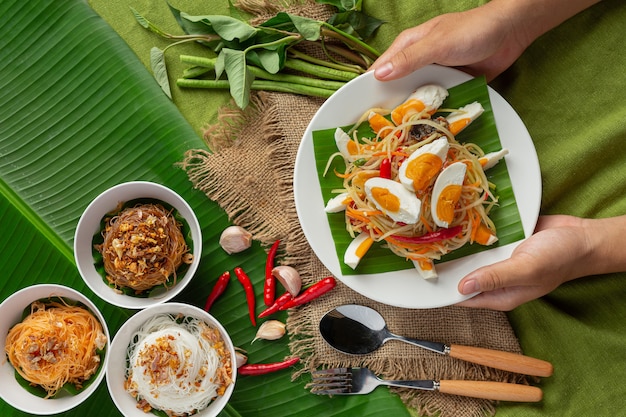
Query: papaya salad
column 411, row 185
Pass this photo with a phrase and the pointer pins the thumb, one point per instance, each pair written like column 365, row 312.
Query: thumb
column 511, row 272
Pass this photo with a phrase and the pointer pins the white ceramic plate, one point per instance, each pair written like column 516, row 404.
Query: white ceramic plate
column 406, row 288
column 116, row 367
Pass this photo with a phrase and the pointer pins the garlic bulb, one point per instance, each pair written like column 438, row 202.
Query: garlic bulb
column 235, row 239
column 270, row 330
column 289, row 277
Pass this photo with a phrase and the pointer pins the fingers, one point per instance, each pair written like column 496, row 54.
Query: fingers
column 405, row 55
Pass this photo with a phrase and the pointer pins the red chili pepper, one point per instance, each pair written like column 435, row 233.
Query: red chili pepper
column 269, row 289
column 441, row 234
column 385, row 168
column 265, row 368
column 319, row 288
column 218, row 289
column 280, row 301
column 247, row 286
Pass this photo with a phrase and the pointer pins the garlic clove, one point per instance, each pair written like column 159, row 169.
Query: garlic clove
column 289, row 278
column 270, row 330
column 240, row 359
column 235, row 239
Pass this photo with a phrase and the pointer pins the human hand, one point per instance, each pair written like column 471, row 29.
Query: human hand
column 558, row 251
column 481, row 41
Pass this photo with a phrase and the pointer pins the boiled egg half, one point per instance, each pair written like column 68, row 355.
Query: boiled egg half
column 461, row 118
column 446, row 193
column 338, row 203
column 393, row 199
column 357, row 249
column 348, row 147
column 418, row 170
column 427, row 98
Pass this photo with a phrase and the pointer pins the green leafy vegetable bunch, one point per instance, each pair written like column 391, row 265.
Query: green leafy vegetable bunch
column 270, row 56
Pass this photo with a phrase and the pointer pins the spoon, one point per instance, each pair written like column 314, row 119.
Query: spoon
column 357, row 330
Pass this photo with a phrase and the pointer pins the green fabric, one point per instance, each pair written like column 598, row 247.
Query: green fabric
column 569, row 90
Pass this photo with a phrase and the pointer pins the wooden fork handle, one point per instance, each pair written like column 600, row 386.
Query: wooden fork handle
column 506, row 361
column 500, row 391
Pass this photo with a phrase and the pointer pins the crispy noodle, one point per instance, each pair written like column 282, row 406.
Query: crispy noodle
column 396, row 144
column 177, row 365
column 142, row 248
column 56, row 344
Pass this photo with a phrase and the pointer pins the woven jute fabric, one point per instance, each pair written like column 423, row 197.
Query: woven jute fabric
column 258, row 148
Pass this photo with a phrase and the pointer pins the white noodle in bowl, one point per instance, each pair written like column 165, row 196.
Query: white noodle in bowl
column 171, row 357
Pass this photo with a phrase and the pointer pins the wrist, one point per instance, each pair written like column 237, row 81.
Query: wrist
column 604, row 240
column 532, row 18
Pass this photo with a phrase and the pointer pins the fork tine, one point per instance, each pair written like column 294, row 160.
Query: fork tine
column 331, row 381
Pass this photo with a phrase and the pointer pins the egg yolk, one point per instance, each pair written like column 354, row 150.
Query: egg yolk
column 386, row 199
column 456, row 127
column 363, row 247
column 352, row 147
column 378, row 122
column 359, row 179
column 448, row 198
column 425, row 264
column 408, row 108
column 423, row 169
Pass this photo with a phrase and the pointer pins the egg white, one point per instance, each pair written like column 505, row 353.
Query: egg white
column 410, row 205
column 336, row 204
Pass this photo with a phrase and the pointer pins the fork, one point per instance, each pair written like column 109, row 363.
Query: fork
column 350, row 381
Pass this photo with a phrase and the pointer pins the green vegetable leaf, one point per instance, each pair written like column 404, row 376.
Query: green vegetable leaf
column 355, row 22
column 157, row 63
column 271, row 61
column 308, row 28
column 147, row 24
column 226, row 27
column 238, row 75
column 343, row 5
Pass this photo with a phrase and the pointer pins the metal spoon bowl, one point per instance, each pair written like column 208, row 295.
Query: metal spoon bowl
column 358, row 330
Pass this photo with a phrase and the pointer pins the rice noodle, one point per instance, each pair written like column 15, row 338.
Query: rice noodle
column 177, row 365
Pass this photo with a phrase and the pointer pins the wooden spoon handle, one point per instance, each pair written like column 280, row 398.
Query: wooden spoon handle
column 506, row 361
column 500, row 391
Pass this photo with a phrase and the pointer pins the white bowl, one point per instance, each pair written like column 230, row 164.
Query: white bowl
column 11, row 311
column 116, row 372
column 89, row 226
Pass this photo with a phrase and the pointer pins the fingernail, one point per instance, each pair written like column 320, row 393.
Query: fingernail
column 384, row 70
column 469, row 287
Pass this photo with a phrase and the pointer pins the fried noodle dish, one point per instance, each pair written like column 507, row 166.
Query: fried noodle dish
column 413, row 186
column 56, row 344
column 177, row 365
column 143, row 247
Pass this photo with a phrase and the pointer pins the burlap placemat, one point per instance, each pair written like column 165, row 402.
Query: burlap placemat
column 259, row 147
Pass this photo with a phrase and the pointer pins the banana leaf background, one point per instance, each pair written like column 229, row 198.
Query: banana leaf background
column 80, row 113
